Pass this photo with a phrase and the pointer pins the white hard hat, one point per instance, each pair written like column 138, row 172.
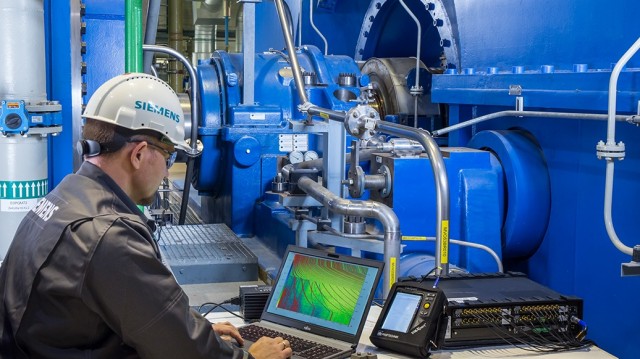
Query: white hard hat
column 138, row 101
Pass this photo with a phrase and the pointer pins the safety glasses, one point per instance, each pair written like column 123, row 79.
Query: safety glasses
column 170, row 157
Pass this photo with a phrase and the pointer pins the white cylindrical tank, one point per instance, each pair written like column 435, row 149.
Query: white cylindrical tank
column 23, row 159
column 23, row 181
column 23, row 70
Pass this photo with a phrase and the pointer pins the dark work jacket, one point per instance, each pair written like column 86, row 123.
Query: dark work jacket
column 83, row 279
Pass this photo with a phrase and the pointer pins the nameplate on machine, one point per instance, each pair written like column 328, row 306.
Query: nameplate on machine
column 296, row 142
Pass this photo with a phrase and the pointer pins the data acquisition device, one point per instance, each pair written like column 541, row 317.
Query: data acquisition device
column 470, row 310
column 410, row 318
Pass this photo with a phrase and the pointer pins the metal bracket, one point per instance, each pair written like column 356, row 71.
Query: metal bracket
column 515, row 90
column 632, row 268
column 519, row 103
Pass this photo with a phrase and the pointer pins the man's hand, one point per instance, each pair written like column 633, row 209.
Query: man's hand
column 271, row 348
column 227, row 331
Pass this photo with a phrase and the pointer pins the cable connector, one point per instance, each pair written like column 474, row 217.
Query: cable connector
column 583, row 327
column 233, row 301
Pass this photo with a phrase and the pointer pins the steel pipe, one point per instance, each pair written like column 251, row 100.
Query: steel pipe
column 195, row 121
column 442, row 187
column 295, row 66
column 513, row 113
column 313, row 25
column 367, row 209
column 611, row 141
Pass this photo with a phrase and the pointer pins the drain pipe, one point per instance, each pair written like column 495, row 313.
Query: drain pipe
column 195, row 121
column 367, row 209
column 611, row 150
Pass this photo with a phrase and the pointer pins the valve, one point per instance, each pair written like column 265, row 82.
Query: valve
column 361, row 122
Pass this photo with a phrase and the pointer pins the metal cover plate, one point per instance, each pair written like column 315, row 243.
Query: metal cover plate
column 207, row 253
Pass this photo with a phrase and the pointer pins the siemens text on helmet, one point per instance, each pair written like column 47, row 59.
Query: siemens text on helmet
column 148, row 106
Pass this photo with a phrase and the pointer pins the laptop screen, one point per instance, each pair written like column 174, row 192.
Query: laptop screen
column 322, row 292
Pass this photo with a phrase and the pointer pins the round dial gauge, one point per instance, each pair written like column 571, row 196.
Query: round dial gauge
column 310, row 155
column 296, row 157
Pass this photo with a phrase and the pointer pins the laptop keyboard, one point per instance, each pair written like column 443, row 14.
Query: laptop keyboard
column 301, row 347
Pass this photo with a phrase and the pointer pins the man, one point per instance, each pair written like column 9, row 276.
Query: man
column 83, row 276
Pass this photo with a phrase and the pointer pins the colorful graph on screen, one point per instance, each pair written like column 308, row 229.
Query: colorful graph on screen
column 323, row 288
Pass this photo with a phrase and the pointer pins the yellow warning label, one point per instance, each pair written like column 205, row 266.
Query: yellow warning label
column 444, row 250
column 414, row 238
column 324, row 115
column 392, row 272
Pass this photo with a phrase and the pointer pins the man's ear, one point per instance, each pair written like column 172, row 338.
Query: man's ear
column 137, row 155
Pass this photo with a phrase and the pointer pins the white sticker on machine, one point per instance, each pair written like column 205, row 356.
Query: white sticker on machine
column 297, row 142
column 17, row 205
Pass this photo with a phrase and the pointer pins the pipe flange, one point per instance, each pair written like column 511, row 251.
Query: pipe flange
column 356, row 182
column 386, row 172
column 610, row 150
column 361, row 122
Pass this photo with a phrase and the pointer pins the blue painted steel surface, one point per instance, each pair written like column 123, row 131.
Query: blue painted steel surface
column 562, row 61
column 339, row 22
column 243, row 142
column 58, row 32
column 104, row 58
column 268, row 30
column 527, row 188
column 274, row 229
column 105, row 43
column 474, row 176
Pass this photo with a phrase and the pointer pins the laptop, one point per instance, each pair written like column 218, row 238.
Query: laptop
column 319, row 303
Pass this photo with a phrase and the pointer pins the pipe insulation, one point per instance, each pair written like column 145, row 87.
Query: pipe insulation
column 23, row 71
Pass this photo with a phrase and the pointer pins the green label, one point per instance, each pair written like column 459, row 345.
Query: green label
column 23, row 189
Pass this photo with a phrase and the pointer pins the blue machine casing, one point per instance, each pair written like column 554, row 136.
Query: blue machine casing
column 243, row 142
column 562, row 62
column 474, row 177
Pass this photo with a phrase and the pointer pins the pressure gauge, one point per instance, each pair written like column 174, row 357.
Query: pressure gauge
column 310, row 155
column 296, row 157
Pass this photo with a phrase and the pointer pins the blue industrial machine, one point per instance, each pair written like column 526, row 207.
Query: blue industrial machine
column 329, row 155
